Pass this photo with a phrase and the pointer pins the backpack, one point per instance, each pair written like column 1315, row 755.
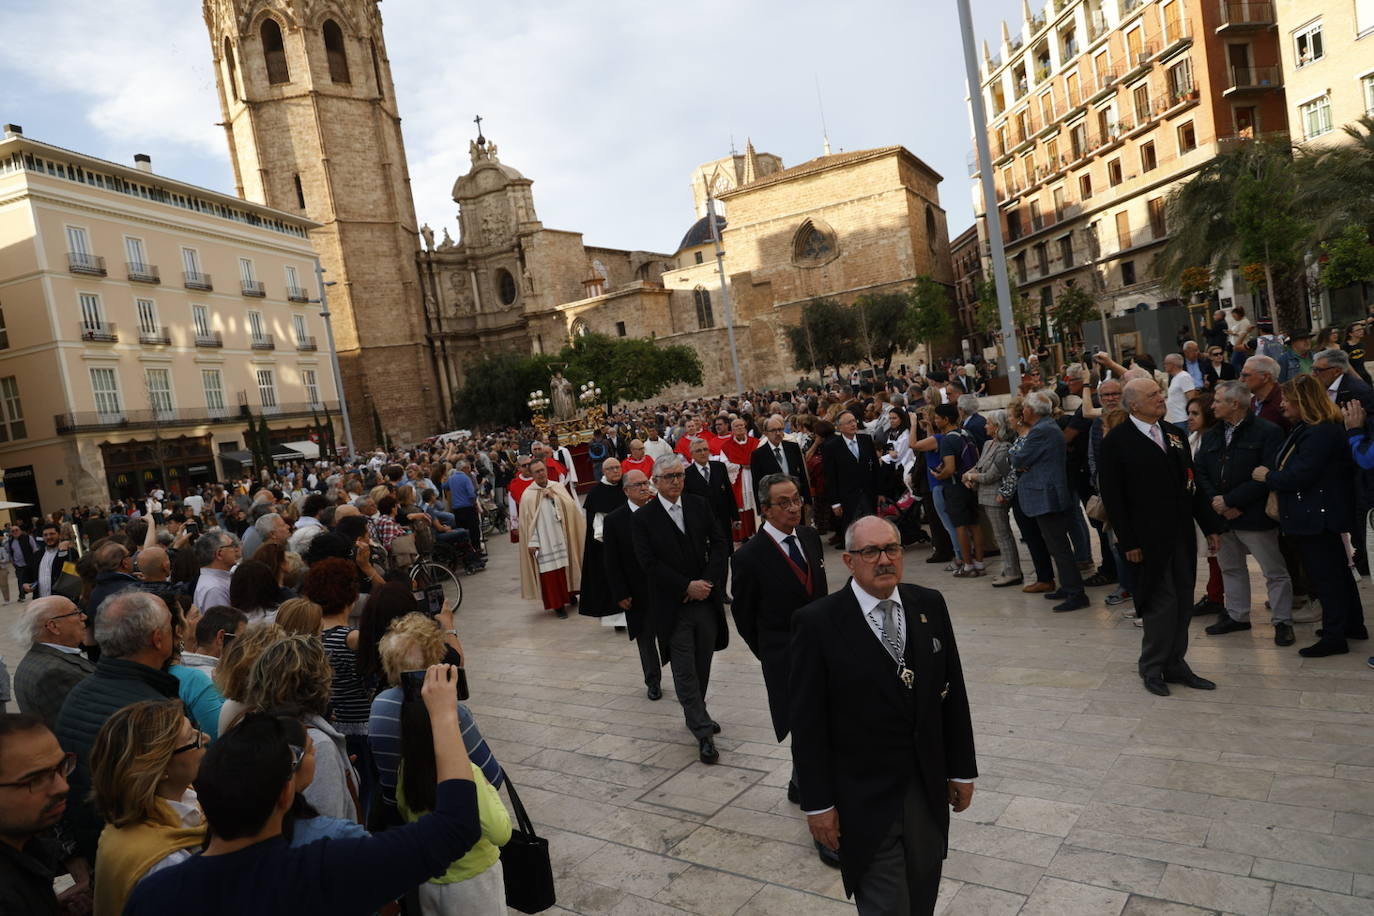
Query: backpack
column 968, row 453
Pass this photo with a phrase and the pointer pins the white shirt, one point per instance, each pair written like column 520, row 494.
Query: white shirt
column 1176, row 402
column 44, row 584
column 779, row 453
column 188, row 810
column 1335, row 387
column 70, row 650
column 1146, row 427
column 674, row 510
column 195, row 503
column 780, row 537
column 212, row 588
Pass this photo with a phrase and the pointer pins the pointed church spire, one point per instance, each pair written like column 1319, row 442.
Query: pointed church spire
column 751, row 162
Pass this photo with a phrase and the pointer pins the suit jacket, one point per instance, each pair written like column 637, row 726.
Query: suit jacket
column 767, row 592
column 718, row 494
column 859, row 736
column 1042, row 482
column 1316, row 484
column 671, row 559
column 1354, row 388
column 624, row 576
column 44, row 678
column 849, row 483
column 977, row 427
column 763, row 462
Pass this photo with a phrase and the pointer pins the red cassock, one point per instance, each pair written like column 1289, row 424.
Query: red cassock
column 645, row 464
column 513, row 493
column 557, row 472
column 737, row 455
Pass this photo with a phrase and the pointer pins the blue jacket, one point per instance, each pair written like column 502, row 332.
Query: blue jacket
column 1042, row 484
column 1316, row 483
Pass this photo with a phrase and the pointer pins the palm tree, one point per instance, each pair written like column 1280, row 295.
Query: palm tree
column 1337, row 181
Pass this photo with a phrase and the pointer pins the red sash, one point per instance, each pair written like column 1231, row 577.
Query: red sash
column 803, row 577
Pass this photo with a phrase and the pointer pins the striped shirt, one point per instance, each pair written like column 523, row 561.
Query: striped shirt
column 384, row 736
column 348, row 706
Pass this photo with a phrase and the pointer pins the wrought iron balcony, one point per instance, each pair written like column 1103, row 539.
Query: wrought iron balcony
column 142, row 273
column 158, row 336
column 212, row 339
column 99, row 331
column 264, row 342
column 98, row 421
column 1253, row 79
column 296, row 294
column 306, row 343
column 1245, row 15
column 194, row 279
column 79, row 262
column 253, row 288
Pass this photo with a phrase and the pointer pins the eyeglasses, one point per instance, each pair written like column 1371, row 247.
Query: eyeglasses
column 43, row 778
column 678, row 475
column 636, row 486
column 870, row 553
column 792, row 503
column 197, row 744
column 297, row 755
column 75, row 613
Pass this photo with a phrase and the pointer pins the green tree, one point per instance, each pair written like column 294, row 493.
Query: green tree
column 883, row 327
column 1349, row 258
column 1337, row 181
column 987, row 318
column 826, row 336
column 495, row 390
column 1073, row 307
column 629, row 369
column 929, row 311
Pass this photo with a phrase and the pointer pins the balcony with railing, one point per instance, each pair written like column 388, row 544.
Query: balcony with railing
column 209, row 339
column 1140, row 59
column 1253, row 79
column 154, row 336
column 254, row 288
column 80, row 262
column 1105, row 84
column 142, row 273
column 296, row 294
column 264, row 342
column 194, row 279
column 1177, row 35
column 306, row 343
column 1245, row 15
column 97, row 421
column 99, row 332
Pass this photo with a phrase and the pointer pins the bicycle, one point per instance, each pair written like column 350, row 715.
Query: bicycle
column 428, row 571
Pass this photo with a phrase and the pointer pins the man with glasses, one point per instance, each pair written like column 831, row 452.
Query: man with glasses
column 1217, row 368
column 514, row 491
column 779, row 456
column 33, row 797
column 1261, row 376
column 868, row 665
column 626, row 583
column 54, row 663
column 684, row 550
column 1332, row 369
column 218, row 552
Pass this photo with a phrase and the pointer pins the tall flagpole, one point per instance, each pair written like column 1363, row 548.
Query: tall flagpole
column 991, row 215
column 724, row 287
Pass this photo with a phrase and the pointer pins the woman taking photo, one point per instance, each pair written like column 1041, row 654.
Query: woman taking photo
column 1314, row 481
column 142, row 765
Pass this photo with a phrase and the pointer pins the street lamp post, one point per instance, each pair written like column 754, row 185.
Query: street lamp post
column 334, row 358
column 724, row 288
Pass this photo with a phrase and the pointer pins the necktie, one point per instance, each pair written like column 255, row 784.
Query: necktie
column 888, row 608
column 1156, row 435
column 853, row 448
column 675, row 513
column 782, row 463
column 794, row 551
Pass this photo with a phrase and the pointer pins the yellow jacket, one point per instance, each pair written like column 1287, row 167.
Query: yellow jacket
column 495, row 823
column 127, row 853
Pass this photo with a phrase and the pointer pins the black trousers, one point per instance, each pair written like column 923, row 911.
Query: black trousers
column 1054, row 528
column 1035, row 543
column 1164, row 601
column 1324, row 556
column 904, row 877
column 689, row 654
column 647, row 641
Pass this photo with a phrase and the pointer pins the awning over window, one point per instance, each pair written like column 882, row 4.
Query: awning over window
column 307, row 448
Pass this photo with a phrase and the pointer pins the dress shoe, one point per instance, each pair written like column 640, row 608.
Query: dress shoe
column 1227, row 624
column 708, row 752
column 715, row 727
column 1098, row 579
column 1057, row 595
column 1358, row 633
column 620, row 629
column 1207, row 606
column 1004, row 581
column 1283, row 634
column 1192, row 680
column 1036, row 588
column 561, row 613
column 1155, row 684
column 654, row 692
column 1324, row 647
column 793, row 795
column 829, row 856
column 1073, row 603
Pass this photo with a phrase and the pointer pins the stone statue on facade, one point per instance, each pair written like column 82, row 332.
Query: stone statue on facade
column 427, row 234
column 447, row 243
column 561, row 392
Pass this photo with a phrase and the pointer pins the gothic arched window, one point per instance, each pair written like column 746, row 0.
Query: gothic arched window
column 814, row 244
column 579, row 327
column 231, row 70
column 274, row 52
column 334, row 49
column 702, row 298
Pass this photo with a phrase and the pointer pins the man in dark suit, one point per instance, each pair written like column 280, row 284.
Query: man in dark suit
column 684, row 553
column 775, row 572
column 625, row 580
column 851, row 472
column 778, row 456
column 54, row 663
column 1145, row 474
column 1332, row 369
column 881, row 732
column 708, row 480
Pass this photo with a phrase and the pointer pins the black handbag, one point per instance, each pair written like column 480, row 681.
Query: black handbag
column 525, row 863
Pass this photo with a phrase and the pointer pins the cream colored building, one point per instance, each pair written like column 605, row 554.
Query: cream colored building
column 1328, row 65
column 1097, row 110
column 142, row 315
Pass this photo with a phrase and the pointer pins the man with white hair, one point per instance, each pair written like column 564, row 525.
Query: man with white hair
column 971, row 420
column 1180, row 386
column 53, row 629
column 218, row 552
column 1332, row 369
column 1260, row 375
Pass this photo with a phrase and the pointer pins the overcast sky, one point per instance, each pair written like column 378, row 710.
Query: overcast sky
column 608, row 105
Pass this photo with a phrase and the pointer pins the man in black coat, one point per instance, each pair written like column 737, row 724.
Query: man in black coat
column 1145, row 475
column 626, row 584
column 765, row 458
column 603, row 499
column 684, row 553
column 881, row 732
column 778, row 570
column 709, row 481
column 1332, row 369
column 851, row 472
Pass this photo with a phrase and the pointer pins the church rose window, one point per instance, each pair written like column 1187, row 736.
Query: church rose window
column 813, row 244
column 505, row 286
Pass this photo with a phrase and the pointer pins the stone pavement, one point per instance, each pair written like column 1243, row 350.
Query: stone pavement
column 1095, row 797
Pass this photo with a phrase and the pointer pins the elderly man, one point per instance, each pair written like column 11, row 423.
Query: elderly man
column 1146, row 477
column 218, row 552
column 1181, row 385
column 1042, row 488
column 628, row 586
column 114, row 567
column 607, row 496
column 1332, row 369
column 1230, row 451
column 776, row 455
column 738, row 451
column 851, row 472
column 1260, row 375
column 640, row 459
column 134, row 632
column 1194, row 364
column 552, row 530
column 54, row 629
column 881, row 732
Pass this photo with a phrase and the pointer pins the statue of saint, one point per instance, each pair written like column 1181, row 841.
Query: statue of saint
column 427, row 234
column 561, row 393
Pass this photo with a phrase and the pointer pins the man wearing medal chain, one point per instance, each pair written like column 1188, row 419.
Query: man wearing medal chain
column 881, row 732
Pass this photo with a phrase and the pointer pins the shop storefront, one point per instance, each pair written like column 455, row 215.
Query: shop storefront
column 134, row 468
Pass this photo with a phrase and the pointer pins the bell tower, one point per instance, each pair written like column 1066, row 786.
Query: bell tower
column 310, row 115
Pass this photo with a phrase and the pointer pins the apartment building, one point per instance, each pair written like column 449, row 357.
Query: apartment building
column 1327, row 48
column 142, row 320
column 1097, row 109
column 966, row 254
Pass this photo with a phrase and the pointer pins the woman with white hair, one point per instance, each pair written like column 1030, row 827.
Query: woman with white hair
column 986, row 476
